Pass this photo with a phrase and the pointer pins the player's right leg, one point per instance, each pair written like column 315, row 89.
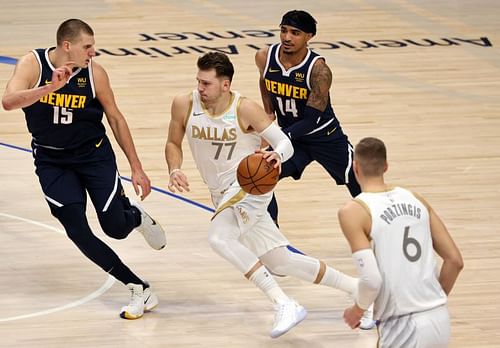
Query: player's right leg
column 224, row 235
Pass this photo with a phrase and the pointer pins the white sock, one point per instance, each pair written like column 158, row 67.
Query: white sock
column 266, row 282
column 339, row 280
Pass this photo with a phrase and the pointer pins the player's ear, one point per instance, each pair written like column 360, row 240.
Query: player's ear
column 386, row 166
column 355, row 168
column 66, row 45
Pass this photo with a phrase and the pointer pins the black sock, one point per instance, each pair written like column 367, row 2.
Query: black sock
column 125, row 275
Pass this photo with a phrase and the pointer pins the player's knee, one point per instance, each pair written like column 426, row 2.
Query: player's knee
column 216, row 242
column 275, row 268
column 114, row 229
column 74, row 221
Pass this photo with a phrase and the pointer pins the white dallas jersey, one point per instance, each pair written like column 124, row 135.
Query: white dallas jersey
column 402, row 244
column 218, row 143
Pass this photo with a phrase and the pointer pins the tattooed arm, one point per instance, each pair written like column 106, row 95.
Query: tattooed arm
column 321, row 80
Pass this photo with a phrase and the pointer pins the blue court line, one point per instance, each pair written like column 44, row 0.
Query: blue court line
column 165, row 192
column 8, row 60
column 168, row 193
column 15, row 147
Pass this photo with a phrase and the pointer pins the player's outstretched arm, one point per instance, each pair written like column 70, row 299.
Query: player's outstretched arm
column 253, row 117
column 173, row 147
column 356, row 225
column 121, row 131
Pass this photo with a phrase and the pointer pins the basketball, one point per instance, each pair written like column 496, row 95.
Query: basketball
column 257, row 176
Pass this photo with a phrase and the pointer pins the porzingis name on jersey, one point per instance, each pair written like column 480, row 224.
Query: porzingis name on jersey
column 72, row 101
column 212, row 133
column 400, row 209
column 286, row 89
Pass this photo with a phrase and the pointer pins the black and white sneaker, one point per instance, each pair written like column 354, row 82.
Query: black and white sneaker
column 151, row 230
column 141, row 300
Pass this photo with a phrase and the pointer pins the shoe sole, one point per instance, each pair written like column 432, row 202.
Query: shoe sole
column 301, row 316
column 153, row 246
column 127, row 315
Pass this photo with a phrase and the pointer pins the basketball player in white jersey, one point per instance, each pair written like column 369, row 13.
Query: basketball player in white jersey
column 222, row 128
column 398, row 270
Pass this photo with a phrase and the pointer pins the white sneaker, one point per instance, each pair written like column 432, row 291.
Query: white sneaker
column 141, row 300
column 288, row 314
column 151, row 230
column 367, row 322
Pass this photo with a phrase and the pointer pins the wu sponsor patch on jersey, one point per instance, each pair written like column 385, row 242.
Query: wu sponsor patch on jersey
column 81, row 82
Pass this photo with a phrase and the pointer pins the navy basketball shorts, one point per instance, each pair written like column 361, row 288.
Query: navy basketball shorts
column 67, row 176
column 333, row 154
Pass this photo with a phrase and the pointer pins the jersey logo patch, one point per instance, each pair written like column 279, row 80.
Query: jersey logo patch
column 81, row 82
column 99, row 143
column 47, row 82
column 299, row 77
column 198, row 113
column 229, row 117
column 273, row 70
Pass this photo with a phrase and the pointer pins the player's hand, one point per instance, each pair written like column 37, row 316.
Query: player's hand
column 141, row 183
column 61, row 75
column 352, row 316
column 271, row 157
column 178, row 181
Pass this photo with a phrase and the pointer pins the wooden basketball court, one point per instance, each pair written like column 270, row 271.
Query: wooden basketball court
column 423, row 76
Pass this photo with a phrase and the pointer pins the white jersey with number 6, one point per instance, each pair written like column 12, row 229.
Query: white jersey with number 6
column 402, row 244
column 218, row 143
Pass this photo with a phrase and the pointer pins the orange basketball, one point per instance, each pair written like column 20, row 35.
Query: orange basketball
column 257, row 176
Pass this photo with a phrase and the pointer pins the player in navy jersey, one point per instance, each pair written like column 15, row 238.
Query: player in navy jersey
column 64, row 94
column 295, row 84
column 295, row 88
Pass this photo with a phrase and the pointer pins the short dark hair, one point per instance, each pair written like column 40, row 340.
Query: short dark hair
column 70, row 30
column 371, row 155
column 301, row 20
column 219, row 62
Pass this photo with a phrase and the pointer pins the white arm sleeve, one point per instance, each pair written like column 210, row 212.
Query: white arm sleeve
column 279, row 141
column 370, row 279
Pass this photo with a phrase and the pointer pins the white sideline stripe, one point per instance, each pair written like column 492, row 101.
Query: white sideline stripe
column 105, row 287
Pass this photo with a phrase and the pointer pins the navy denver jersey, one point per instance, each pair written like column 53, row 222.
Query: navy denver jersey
column 290, row 90
column 68, row 117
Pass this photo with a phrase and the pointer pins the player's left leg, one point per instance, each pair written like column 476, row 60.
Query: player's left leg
column 336, row 156
column 283, row 261
column 294, row 167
